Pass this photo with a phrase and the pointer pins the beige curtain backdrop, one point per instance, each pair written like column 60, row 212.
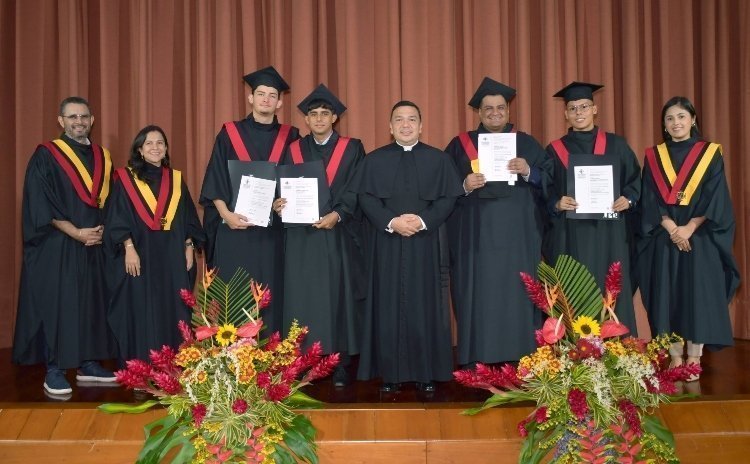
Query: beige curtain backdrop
column 178, row 64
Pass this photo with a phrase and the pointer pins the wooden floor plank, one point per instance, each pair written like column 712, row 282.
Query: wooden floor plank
column 12, row 421
column 73, row 424
column 40, row 424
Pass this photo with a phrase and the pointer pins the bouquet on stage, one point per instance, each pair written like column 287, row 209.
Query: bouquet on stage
column 230, row 394
column 596, row 390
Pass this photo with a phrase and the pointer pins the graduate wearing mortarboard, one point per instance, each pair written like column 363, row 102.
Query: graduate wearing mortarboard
column 596, row 243
column 232, row 241
column 496, row 232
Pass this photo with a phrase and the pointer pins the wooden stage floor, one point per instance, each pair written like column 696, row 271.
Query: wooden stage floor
column 361, row 425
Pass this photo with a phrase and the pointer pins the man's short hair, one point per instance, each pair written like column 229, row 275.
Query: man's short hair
column 320, row 103
column 406, row 103
column 75, row 100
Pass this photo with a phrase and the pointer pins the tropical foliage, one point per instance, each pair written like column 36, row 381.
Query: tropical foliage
column 595, row 389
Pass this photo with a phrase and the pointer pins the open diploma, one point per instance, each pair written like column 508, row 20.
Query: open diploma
column 255, row 199
column 301, row 195
column 495, row 151
column 594, row 189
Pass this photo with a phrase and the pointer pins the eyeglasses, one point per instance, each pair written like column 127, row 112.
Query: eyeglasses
column 75, row 117
column 584, row 107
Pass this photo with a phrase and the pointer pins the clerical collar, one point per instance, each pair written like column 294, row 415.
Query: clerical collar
column 324, row 141
column 407, row 147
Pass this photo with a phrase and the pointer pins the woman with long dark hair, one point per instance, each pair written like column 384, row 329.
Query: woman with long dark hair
column 688, row 273
column 151, row 232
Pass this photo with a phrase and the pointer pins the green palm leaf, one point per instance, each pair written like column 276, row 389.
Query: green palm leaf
column 232, row 297
column 580, row 295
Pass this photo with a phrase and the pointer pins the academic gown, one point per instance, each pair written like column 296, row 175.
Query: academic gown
column 62, row 298
column 496, row 233
column 689, row 292
column 144, row 310
column 320, row 271
column 259, row 250
column 593, row 242
column 406, row 334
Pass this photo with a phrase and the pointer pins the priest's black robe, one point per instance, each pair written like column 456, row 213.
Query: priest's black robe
column 258, row 250
column 62, row 301
column 496, row 233
column 406, row 334
column 689, row 292
column 144, row 310
column 593, row 242
column 320, row 270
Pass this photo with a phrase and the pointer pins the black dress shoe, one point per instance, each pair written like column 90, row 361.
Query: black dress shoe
column 388, row 387
column 427, row 387
column 340, row 377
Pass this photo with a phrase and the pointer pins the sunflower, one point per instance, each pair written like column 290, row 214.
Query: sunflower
column 228, row 334
column 586, row 327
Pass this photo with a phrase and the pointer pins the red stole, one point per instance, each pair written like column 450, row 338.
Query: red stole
column 241, row 149
column 600, row 146
column 471, row 150
column 333, row 163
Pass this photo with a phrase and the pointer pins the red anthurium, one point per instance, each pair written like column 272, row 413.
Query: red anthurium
column 250, row 329
column 611, row 328
column 202, row 333
column 553, row 330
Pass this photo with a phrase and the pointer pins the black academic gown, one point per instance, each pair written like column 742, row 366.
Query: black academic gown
column 144, row 310
column 256, row 249
column 495, row 233
column 62, row 298
column 406, row 334
column 689, row 292
column 593, row 242
column 320, row 271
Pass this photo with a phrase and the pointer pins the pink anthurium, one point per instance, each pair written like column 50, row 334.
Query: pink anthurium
column 202, row 333
column 250, row 329
column 612, row 328
column 553, row 330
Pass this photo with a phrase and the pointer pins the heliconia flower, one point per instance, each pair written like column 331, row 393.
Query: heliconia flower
column 261, row 295
column 199, row 412
column 208, row 276
column 239, row 406
column 553, row 330
column 250, row 329
column 577, row 403
column 203, row 332
column 188, row 298
column 278, row 392
column 612, row 328
column 185, row 331
column 613, row 281
column 162, row 358
column 536, row 292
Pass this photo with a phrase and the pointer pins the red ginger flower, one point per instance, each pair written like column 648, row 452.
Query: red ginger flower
column 188, row 298
column 323, row 368
column 630, row 413
column 489, row 377
column 130, row 380
column 163, row 359
column 186, row 332
column 613, row 281
column 199, row 412
column 166, row 382
column 577, row 403
column 536, row 292
column 239, row 406
column 263, row 379
column 266, row 299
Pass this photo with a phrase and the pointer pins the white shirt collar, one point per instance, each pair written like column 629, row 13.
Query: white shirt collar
column 407, row 147
column 324, row 141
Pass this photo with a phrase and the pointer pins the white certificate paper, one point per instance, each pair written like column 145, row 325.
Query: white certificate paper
column 594, row 187
column 255, row 199
column 495, row 151
column 301, row 194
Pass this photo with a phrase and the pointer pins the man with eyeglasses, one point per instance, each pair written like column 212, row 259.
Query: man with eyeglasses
column 596, row 243
column 323, row 271
column 496, row 232
column 62, row 303
column 233, row 241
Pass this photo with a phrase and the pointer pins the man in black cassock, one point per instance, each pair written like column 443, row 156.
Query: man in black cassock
column 596, row 243
column 496, row 232
column 232, row 241
column 407, row 191
column 320, row 265
column 62, row 301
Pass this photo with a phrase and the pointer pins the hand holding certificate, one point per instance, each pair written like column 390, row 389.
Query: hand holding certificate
column 594, row 182
column 254, row 199
column 494, row 153
column 301, row 195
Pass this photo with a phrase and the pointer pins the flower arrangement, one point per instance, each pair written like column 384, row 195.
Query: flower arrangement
column 230, row 394
column 595, row 389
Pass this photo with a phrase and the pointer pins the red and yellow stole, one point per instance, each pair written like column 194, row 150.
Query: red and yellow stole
column 677, row 188
column 92, row 190
column 156, row 213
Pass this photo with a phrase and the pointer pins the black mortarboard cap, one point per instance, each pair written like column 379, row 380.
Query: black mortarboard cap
column 578, row 91
column 491, row 87
column 266, row 76
column 321, row 92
